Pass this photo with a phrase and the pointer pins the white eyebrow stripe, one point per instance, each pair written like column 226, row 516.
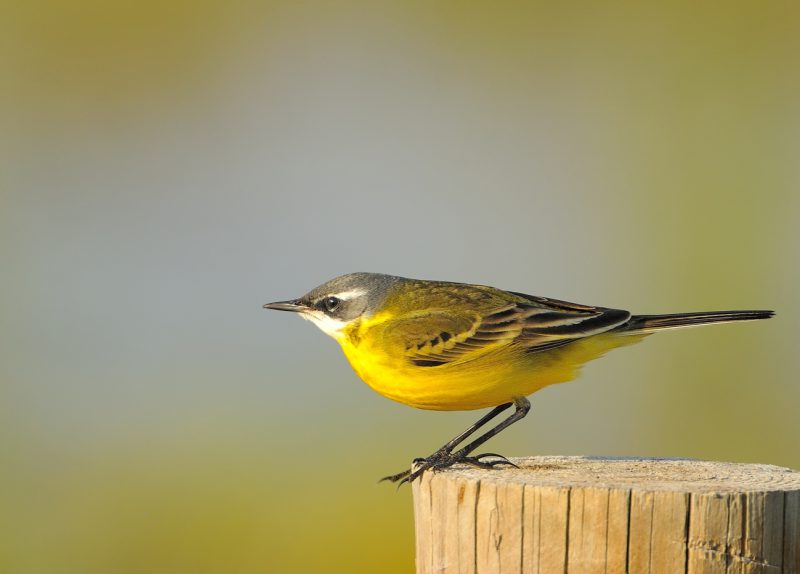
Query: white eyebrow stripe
column 347, row 295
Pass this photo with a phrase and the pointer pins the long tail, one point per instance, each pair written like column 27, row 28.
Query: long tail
column 649, row 323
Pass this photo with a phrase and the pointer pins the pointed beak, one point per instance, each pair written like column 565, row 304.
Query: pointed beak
column 294, row 305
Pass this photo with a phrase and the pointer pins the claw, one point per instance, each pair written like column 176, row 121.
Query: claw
column 395, row 477
column 476, row 461
column 493, row 454
column 502, row 459
column 420, row 467
column 473, row 461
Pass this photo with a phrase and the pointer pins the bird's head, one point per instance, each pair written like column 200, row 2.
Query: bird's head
column 334, row 305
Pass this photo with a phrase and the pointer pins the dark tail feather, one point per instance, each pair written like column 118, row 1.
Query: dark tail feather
column 648, row 323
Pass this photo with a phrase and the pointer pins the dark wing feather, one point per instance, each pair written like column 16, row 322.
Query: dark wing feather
column 535, row 324
column 435, row 337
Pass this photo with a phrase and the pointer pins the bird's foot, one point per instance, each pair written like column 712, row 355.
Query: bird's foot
column 443, row 459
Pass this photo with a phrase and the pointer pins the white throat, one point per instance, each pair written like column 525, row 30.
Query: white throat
column 327, row 325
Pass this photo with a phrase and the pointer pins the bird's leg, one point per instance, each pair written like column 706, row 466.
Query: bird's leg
column 445, row 456
column 457, row 440
column 522, row 405
column 447, row 448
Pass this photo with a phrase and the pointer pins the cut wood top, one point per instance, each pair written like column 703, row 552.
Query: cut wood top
column 634, row 473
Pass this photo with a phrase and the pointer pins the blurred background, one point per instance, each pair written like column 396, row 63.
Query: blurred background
column 167, row 167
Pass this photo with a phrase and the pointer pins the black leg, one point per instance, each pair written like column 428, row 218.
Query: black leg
column 522, row 405
column 446, row 449
column 445, row 457
column 456, row 440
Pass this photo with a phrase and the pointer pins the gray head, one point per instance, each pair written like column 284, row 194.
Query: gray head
column 340, row 301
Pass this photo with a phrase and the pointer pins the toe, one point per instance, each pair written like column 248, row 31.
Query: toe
column 395, row 477
column 500, row 459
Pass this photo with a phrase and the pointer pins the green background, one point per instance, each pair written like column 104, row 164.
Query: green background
column 167, row 167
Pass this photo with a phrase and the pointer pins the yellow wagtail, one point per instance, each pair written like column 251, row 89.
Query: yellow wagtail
column 452, row 346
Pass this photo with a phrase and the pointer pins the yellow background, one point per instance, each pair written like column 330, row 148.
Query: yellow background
column 167, row 167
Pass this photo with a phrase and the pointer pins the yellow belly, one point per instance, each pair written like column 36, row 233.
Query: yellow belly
column 485, row 381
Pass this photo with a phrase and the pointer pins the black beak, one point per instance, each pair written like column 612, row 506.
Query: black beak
column 293, row 305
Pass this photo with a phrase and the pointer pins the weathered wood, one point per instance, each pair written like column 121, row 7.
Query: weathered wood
column 611, row 515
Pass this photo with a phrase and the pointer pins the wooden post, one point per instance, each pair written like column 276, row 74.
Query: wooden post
column 583, row 515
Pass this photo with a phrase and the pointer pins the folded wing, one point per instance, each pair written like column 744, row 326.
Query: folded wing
column 531, row 323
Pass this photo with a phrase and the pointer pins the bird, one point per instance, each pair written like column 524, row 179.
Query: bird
column 447, row 346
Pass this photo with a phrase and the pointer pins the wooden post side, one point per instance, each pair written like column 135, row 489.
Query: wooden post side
column 657, row 535
column 584, row 515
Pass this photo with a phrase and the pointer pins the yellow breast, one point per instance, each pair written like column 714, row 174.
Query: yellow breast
column 490, row 379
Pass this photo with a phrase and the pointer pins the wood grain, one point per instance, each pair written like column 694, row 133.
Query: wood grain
column 611, row 515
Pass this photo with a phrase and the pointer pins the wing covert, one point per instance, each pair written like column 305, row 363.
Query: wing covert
column 533, row 324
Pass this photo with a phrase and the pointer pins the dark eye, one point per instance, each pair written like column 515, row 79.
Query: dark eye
column 331, row 303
